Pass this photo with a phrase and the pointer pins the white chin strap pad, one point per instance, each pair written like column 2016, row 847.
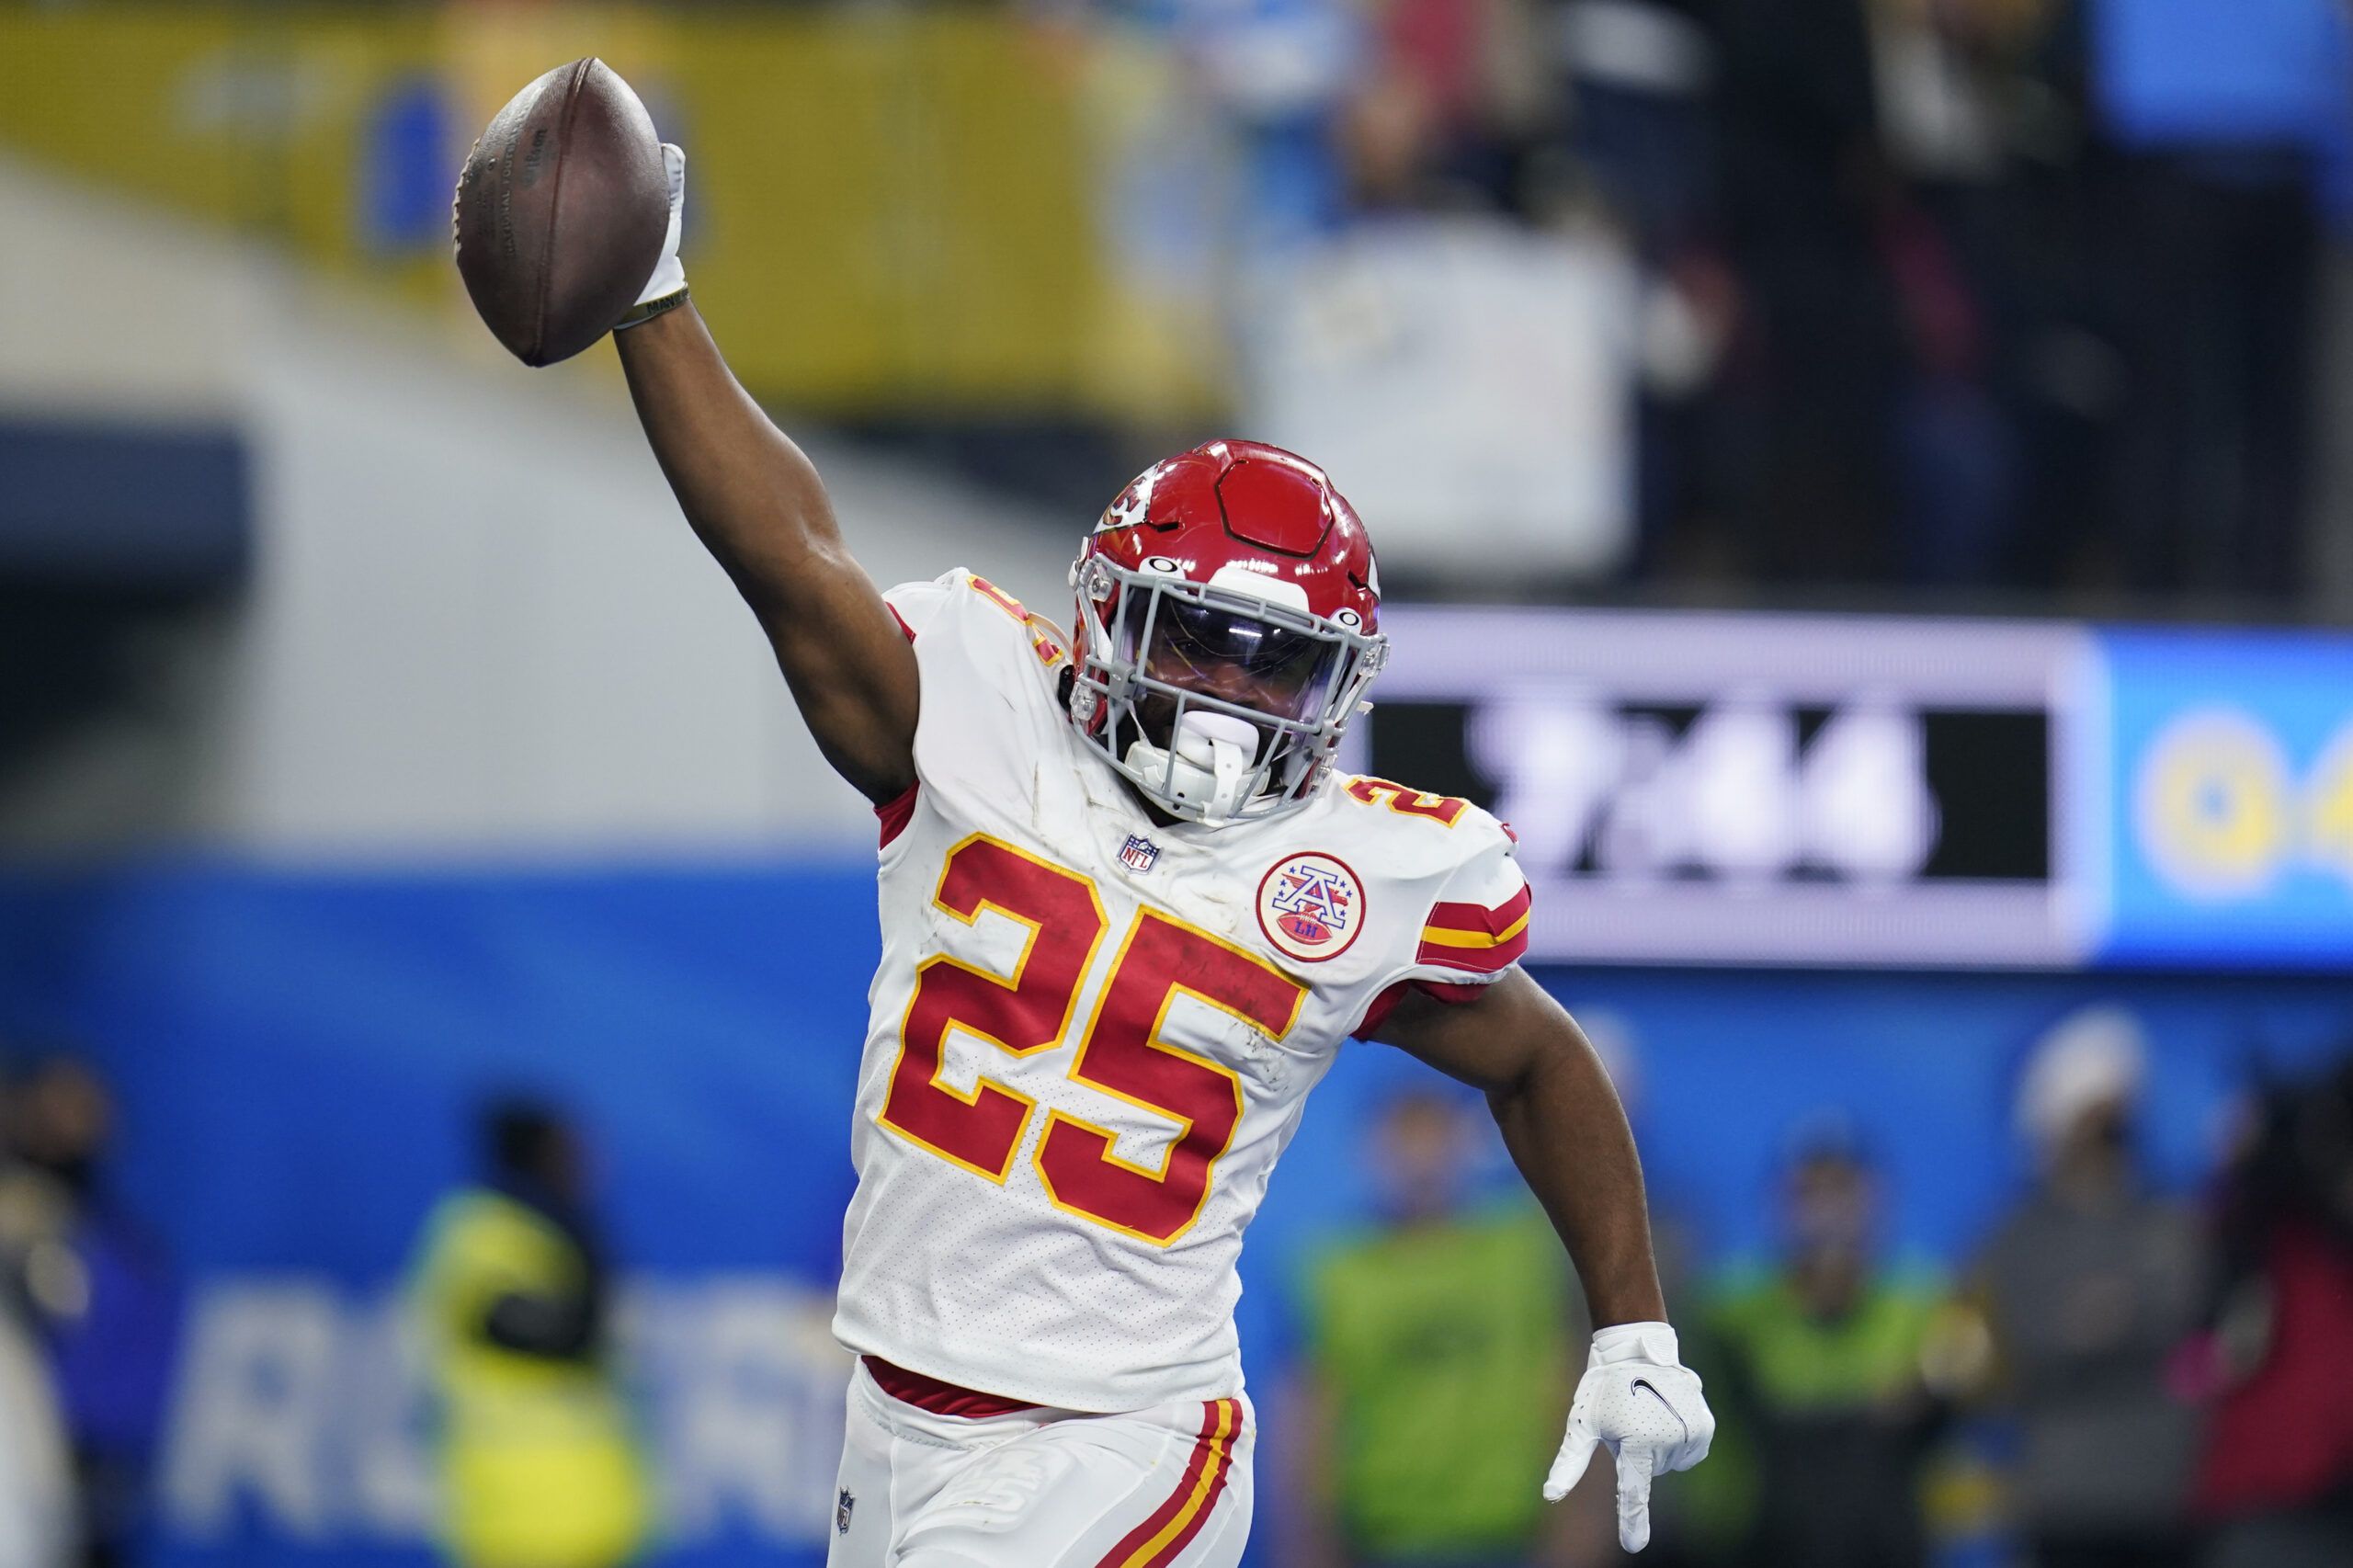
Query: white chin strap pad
column 1214, row 756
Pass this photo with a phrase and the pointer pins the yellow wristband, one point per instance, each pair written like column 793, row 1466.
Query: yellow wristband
column 638, row 315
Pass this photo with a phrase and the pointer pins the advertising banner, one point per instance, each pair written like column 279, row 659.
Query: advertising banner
column 299, row 1058
column 2229, row 794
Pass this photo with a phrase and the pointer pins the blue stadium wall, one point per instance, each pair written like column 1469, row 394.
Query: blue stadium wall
column 296, row 1053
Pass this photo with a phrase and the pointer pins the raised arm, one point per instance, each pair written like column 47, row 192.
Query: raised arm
column 757, row 503
column 1561, row 1122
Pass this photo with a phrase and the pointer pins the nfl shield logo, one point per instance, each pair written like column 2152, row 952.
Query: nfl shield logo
column 1139, row 853
column 842, row 1506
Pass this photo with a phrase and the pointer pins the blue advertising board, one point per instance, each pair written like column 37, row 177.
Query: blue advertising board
column 2228, row 798
column 298, row 1055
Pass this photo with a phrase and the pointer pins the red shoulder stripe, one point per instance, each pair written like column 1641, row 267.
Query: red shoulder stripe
column 896, row 813
column 1478, row 917
column 1473, row 938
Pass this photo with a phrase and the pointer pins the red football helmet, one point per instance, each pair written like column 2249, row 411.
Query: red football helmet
column 1228, row 624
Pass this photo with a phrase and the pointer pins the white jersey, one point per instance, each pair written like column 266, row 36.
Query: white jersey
column 1092, row 1033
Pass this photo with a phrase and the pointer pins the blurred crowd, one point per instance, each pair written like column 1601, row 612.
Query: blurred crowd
column 510, row 1295
column 2114, row 1378
column 89, row 1317
column 2009, row 295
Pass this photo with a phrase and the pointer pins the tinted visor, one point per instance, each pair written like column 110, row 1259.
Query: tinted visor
column 1240, row 658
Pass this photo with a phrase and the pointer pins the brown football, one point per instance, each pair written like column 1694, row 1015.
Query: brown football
column 561, row 212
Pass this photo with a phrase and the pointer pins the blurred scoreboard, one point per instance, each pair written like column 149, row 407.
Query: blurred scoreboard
column 1795, row 790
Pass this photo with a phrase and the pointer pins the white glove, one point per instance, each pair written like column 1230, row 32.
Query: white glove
column 669, row 274
column 1639, row 1400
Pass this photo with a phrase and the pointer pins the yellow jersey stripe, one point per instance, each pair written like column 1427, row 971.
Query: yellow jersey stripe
column 1447, row 937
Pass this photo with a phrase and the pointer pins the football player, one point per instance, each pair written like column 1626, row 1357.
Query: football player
column 1130, row 911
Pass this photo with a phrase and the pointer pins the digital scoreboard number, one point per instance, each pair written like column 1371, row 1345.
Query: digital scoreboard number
column 1763, row 790
column 1874, row 794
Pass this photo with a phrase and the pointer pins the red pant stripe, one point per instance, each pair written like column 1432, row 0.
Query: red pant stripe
column 1171, row 1527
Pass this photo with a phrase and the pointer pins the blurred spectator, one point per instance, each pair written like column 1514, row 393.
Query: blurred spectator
column 1636, row 74
column 1436, row 1364
column 1817, row 369
column 2224, row 115
column 37, row 1499
column 2088, row 1285
column 1942, row 71
column 2033, row 240
column 1816, row 1370
column 2275, row 1477
column 539, row 1467
column 1454, row 97
column 1277, row 77
column 101, row 1295
column 1636, row 79
column 1957, row 293
column 36, row 1482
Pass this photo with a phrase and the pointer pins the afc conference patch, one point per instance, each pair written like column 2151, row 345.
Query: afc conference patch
column 1139, row 853
column 1311, row 906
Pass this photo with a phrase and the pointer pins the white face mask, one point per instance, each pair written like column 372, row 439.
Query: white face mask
column 1224, row 760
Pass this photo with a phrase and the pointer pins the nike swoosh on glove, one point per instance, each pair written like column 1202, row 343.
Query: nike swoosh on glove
column 1639, row 1401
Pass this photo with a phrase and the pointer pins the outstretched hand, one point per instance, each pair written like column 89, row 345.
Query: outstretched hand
column 1639, row 1401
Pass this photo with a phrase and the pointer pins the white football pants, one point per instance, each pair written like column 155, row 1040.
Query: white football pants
column 1168, row 1487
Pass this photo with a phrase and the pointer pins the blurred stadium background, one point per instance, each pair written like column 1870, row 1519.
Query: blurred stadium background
column 1865, row 489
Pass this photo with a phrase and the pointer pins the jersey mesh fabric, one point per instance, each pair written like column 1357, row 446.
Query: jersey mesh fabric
column 953, row 1273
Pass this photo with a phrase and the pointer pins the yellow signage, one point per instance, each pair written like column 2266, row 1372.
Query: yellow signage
column 888, row 214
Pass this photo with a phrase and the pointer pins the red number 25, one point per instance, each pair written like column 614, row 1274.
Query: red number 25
column 1120, row 1054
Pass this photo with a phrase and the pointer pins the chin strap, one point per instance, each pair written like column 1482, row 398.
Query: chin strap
column 1215, row 754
